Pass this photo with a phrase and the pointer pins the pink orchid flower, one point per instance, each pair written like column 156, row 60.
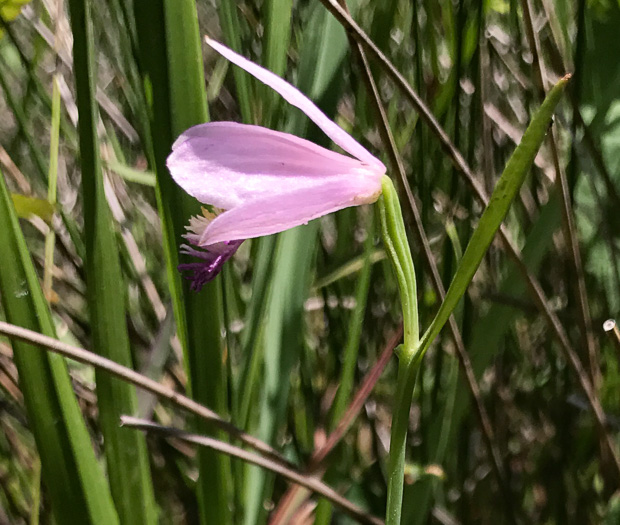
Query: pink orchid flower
column 265, row 181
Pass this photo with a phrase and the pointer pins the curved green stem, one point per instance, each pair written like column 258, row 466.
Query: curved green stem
column 407, row 374
column 395, row 240
column 397, row 248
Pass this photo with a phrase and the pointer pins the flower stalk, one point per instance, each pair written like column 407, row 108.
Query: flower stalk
column 397, row 248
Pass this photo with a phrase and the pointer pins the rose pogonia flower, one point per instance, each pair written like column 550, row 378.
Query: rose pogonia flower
column 265, row 181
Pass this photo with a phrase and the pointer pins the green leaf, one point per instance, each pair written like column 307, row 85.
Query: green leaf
column 171, row 62
column 283, row 342
column 205, row 350
column 230, row 28
column 73, row 478
column 277, row 17
column 323, row 51
column 125, row 451
column 130, row 174
column 10, row 10
column 26, row 206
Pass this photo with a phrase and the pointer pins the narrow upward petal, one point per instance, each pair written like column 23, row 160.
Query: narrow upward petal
column 277, row 212
column 295, row 97
column 225, row 164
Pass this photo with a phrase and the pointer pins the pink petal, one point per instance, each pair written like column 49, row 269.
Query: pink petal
column 279, row 211
column 295, row 97
column 226, row 164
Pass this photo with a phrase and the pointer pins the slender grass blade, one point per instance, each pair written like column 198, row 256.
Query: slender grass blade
column 126, row 453
column 73, row 478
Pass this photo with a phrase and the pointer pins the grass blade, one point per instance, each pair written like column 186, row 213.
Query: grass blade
column 72, row 476
column 126, row 453
column 324, row 51
column 52, row 182
column 277, row 15
column 350, row 354
column 171, row 61
column 230, row 27
column 283, row 328
column 204, row 353
column 26, row 206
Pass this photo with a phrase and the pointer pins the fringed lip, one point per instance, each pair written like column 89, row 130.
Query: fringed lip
column 210, row 264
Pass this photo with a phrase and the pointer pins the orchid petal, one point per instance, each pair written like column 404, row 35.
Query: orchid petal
column 280, row 211
column 296, row 98
column 225, row 164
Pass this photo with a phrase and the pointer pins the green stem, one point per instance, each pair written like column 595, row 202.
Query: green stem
column 407, row 374
column 397, row 248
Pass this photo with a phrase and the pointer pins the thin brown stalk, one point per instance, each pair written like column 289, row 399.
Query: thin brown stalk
column 292, row 499
column 568, row 221
column 462, row 355
column 141, row 381
column 533, row 285
column 358, row 401
column 400, row 81
column 308, row 481
column 613, row 332
column 106, row 104
column 487, row 132
column 585, row 320
column 11, row 168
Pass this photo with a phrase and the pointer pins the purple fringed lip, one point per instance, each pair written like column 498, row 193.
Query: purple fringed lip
column 265, row 181
column 204, row 271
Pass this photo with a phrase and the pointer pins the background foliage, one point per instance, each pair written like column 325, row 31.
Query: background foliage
column 309, row 313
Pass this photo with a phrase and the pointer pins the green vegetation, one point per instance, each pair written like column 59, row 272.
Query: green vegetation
column 477, row 350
